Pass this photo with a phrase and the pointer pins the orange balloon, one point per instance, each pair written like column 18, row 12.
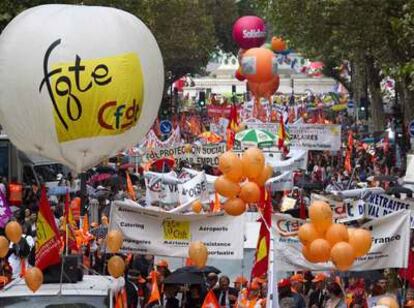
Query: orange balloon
column 4, row 246
column 320, row 250
column 234, row 206
column 198, row 253
column 250, row 192
column 229, row 164
column 264, row 89
column 14, row 231
column 342, row 255
column 361, row 241
column 388, row 301
column 308, row 256
column 278, row 44
column 336, row 233
column 116, row 266
column 259, row 65
column 226, row 187
column 33, row 278
column 266, row 174
column 197, row 206
column 307, row 234
column 114, row 241
column 252, row 162
column 321, row 215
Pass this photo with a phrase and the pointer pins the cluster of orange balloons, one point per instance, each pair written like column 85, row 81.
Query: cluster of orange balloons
column 325, row 241
column 198, row 253
column 250, row 170
column 116, row 265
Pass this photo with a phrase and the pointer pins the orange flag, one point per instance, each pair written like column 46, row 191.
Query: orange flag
column 210, row 301
column 70, row 225
column 155, row 293
column 217, row 205
column 130, row 189
column 85, row 224
column 121, row 299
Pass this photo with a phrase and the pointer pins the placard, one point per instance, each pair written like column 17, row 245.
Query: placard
column 148, row 231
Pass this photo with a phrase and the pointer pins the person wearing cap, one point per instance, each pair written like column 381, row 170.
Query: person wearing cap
column 250, row 297
column 318, row 296
column 240, row 282
column 297, row 282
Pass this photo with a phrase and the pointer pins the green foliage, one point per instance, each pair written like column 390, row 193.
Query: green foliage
column 187, row 31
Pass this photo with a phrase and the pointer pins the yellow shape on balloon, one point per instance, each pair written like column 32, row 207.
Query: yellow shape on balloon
column 95, row 97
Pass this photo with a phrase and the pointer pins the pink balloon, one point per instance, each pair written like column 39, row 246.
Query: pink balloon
column 249, row 32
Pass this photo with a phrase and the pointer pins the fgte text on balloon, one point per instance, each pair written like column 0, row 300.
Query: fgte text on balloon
column 64, row 86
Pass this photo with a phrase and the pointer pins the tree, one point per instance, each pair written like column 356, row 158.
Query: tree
column 360, row 31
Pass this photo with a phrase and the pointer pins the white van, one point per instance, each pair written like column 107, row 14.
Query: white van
column 92, row 292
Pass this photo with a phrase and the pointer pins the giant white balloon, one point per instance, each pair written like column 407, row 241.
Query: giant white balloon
column 78, row 83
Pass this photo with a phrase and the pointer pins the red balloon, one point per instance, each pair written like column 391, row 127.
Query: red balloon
column 259, row 65
column 239, row 75
column 249, row 32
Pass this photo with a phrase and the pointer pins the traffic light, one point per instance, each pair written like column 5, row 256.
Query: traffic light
column 202, row 99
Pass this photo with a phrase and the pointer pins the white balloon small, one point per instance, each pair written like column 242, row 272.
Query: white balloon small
column 78, row 83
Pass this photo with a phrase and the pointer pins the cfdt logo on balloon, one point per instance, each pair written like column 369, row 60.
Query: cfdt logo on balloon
column 93, row 97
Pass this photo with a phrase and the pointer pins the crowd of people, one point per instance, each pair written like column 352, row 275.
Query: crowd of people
column 326, row 172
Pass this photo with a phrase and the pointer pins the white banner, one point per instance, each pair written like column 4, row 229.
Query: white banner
column 154, row 232
column 160, row 190
column 151, row 140
column 193, row 189
column 281, row 182
column 320, row 137
column 390, row 244
column 379, row 205
column 200, row 155
column 270, row 127
column 298, row 160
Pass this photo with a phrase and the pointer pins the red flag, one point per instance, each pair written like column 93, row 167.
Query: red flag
column 232, row 127
column 210, row 301
column 282, row 136
column 233, row 118
column 350, row 140
column 47, row 242
column 262, row 250
column 70, row 226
